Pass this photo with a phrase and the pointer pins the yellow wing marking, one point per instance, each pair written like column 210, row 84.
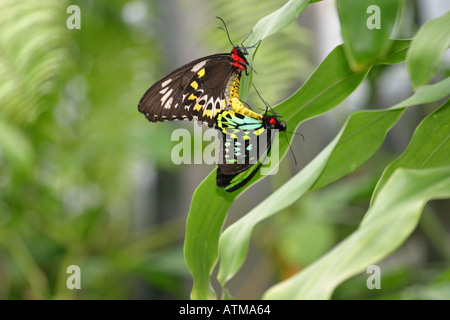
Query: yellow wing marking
column 207, row 113
column 194, row 85
column 201, row 73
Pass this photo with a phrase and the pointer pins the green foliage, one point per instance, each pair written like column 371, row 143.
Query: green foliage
column 77, row 160
column 427, row 50
column 391, row 218
column 34, row 51
column 281, row 64
column 71, row 146
column 368, row 42
column 402, row 194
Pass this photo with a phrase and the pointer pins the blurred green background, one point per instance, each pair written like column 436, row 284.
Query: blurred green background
column 86, row 180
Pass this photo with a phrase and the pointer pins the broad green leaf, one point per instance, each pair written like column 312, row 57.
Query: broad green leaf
column 234, row 242
column 205, row 219
column 330, row 84
column 397, row 52
column 366, row 29
column 426, row 94
column 201, row 245
column 429, row 146
column 344, row 154
column 277, row 20
column 389, row 221
column 427, row 50
column 353, row 149
column 346, row 158
column 265, row 27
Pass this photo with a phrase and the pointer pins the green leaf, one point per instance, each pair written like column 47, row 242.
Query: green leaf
column 205, row 219
column 397, row 52
column 427, row 50
column 366, row 29
column 234, row 241
column 353, row 149
column 389, row 221
column 346, row 158
column 429, row 146
column 427, row 93
column 277, row 20
column 265, row 27
column 330, row 84
column 343, row 155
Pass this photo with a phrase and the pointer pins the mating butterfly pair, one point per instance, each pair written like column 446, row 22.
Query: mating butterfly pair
column 203, row 90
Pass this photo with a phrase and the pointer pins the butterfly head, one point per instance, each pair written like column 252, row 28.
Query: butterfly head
column 274, row 123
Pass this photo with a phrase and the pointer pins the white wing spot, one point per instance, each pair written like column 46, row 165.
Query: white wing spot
column 168, row 104
column 165, row 83
column 164, row 90
column 166, row 96
column 198, row 66
column 216, row 107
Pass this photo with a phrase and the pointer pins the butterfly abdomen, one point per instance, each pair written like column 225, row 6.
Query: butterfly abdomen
column 232, row 98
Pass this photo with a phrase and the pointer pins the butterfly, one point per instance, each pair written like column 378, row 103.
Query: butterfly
column 200, row 89
column 246, row 142
column 204, row 90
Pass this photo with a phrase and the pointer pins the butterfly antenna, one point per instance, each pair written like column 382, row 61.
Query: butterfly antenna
column 264, row 101
column 225, row 29
column 242, row 43
column 247, row 105
column 252, row 69
column 244, row 50
column 290, row 148
column 303, row 137
column 297, row 133
column 255, row 45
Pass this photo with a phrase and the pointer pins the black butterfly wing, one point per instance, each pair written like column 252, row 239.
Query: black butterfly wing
column 193, row 91
column 243, row 148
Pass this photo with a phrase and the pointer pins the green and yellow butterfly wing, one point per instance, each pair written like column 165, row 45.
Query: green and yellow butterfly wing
column 246, row 142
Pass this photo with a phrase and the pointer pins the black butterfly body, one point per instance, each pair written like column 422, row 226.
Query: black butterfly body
column 246, row 142
column 198, row 90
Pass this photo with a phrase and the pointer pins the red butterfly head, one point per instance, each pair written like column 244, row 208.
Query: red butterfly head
column 274, row 123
